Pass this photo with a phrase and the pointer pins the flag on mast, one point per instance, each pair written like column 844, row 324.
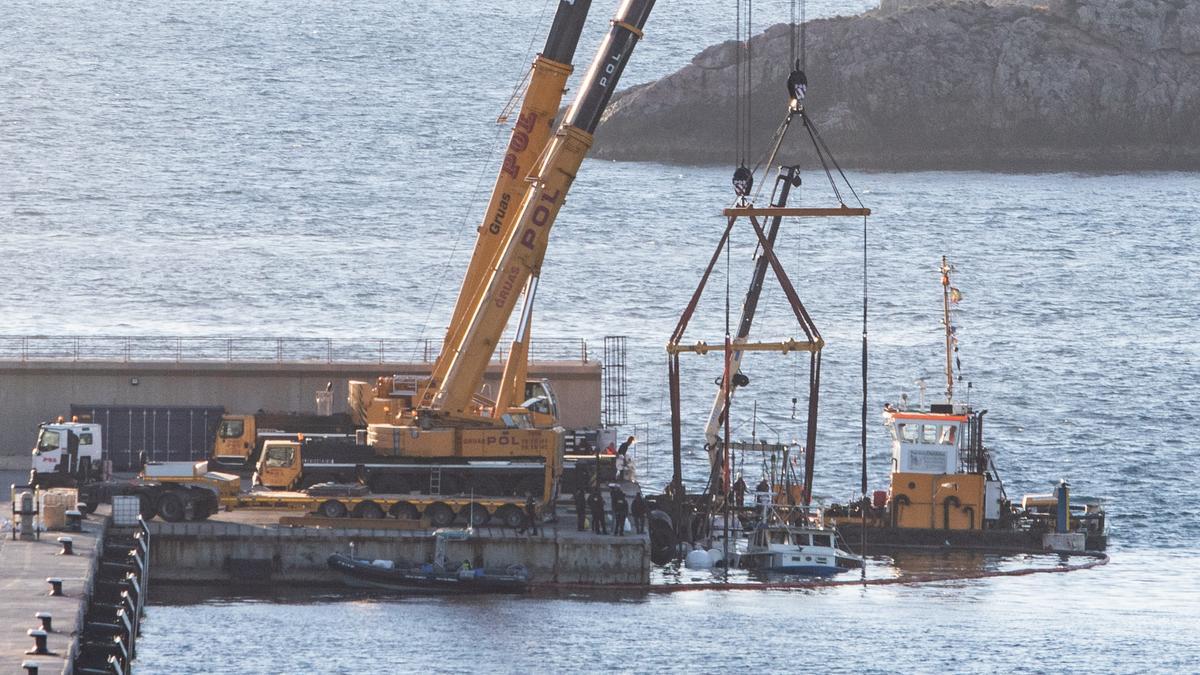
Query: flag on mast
column 955, row 295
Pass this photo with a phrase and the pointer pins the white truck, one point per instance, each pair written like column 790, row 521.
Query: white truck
column 67, row 454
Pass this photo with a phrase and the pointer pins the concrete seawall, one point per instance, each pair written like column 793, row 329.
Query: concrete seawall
column 224, row 552
column 32, row 392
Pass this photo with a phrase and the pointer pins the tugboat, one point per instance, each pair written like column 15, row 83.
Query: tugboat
column 945, row 489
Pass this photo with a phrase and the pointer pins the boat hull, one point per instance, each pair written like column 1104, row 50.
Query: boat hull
column 360, row 573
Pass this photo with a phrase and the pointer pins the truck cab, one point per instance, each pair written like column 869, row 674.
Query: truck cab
column 67, row 453
column 279, row 466
column 236, row 438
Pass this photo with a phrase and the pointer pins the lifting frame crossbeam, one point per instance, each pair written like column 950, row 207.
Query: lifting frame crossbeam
column 794, row 212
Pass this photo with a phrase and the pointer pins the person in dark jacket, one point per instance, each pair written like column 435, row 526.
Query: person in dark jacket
column 639, row 509
column 581, row 508
column 531, row 514
column 739, row 491
column 596, row 502
column 620, row 509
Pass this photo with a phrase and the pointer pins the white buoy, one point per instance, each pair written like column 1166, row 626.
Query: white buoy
column 698, row 560
column 715, row 556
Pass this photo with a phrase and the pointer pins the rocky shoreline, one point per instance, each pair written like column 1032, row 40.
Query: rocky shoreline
column 1084, row 85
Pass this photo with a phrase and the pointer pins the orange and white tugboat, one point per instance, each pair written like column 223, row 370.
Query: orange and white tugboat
column 945, row 489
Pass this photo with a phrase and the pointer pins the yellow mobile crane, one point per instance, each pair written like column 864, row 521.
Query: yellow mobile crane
column 447, row 420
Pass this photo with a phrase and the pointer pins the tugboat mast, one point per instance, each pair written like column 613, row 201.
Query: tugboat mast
column 949, row 330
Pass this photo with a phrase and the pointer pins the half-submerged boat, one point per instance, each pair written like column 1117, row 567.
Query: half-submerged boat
column 795, row 540
column 435, row 577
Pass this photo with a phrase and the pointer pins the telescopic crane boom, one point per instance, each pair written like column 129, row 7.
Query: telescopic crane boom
column 460, row 366
column 447, row 419
column 531, row 132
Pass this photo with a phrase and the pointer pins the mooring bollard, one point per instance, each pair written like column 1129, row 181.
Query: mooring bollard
column 55, row 586
column 68, row 546
column 75, row 520
column 31, row 667
column 26, row 511
column 39, row 641
column 46, row 620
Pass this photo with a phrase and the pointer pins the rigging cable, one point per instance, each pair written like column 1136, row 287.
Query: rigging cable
column 485, row 167
column 863, row 549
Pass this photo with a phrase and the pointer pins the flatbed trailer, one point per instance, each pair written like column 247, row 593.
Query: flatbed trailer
column 440, row 510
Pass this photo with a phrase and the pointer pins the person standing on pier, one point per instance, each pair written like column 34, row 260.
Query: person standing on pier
column 531, row 514
column 597, row 504
column 581, row 506
column 620, row 510
column 638, row 510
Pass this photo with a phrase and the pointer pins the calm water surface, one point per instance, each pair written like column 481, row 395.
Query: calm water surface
column 315, row 169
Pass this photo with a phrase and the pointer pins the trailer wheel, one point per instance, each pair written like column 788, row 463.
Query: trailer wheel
column 202, row 507
column 172, row 508
column 510, row 516
column 404, row 511
column 368, row 509
column 439, row 514
column 332, row 508
column 478, row 515
column 146, row 506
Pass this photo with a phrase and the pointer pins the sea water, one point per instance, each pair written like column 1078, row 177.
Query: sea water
column 318, row 169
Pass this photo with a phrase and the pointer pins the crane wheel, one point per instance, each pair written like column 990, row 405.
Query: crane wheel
column 369, row 510
column 404, row 511
column 439, row 514
column 510, row 516
column 478, row 516
column 172, row 507
column 332, row 508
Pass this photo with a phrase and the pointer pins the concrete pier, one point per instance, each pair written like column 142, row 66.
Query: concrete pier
column 24, row 568
column 251, row 547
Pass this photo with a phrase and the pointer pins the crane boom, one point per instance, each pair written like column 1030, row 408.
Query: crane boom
column 712, row 430
column 530, row 134
column 464, row 360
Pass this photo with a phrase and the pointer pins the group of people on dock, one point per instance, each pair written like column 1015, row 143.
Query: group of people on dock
column 591, row 507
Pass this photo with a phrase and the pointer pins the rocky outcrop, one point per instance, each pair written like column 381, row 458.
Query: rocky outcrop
column 1072, row 84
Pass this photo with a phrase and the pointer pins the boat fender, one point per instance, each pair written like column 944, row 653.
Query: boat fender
column 970, row 511
column 698, row 559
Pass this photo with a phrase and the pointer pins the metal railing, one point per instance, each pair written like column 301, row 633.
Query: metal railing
column 165, row 348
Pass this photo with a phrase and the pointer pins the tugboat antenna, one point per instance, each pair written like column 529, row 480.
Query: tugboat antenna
column 945, row 269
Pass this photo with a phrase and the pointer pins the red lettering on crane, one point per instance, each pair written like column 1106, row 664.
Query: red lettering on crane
column 520, row 141
column 510, row 165
column 540, row 218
